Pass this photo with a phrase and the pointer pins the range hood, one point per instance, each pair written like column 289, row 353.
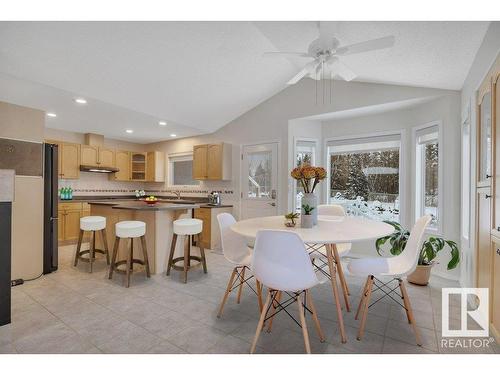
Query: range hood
column 98, row 169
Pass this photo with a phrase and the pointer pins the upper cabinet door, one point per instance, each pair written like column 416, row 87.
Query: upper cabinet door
column 214, row 162
column 106, row 157
column 70, row 160
column 200, row 162
column 123, row 164
column 90, row 155
column 485, row 135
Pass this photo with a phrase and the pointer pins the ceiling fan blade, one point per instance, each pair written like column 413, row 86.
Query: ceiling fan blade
column 369, row 45
column 343, row 71
column 279, row 53
column 308, row 69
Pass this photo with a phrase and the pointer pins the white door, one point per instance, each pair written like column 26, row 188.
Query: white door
column 259, row 180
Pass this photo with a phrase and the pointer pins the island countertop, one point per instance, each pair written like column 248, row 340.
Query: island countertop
column 142, row 206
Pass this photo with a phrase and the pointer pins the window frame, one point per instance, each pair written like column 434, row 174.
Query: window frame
column 466, row 178
column 401, row 134
column 418, row 181
column 172, row 158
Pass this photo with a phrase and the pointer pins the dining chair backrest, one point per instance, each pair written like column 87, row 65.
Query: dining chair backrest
column 281, row 262
column 409, row 257
column 331, row 210
column 234, row 246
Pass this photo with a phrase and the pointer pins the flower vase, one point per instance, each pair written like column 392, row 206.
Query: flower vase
column 312, row 200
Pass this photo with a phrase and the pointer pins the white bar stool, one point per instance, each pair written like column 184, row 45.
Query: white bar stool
column 91, row 224
column 129, row 229
column 187, row 228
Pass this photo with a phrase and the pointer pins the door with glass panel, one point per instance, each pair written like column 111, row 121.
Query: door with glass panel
column 484, row 138
column 259, row 180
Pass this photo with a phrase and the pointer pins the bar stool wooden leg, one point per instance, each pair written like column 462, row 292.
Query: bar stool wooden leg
column 113, row 257
column 186, row 258
column 91, row 251
column 145, row 255
column 129, row 262
column 202, row 255
column 171, row 255
column 105, row 244
column 78, row 248
column 240, row 289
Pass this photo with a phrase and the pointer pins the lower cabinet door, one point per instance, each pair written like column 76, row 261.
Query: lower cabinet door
column 204, row 215
column 60, row 226
column 72, row 225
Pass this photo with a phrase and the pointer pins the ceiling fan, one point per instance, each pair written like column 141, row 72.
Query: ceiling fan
column 327, row 52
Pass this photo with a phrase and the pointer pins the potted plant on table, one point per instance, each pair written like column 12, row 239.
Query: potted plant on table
column 309, row 178
column 306, row 220
column 290, row 219
column 426, row 258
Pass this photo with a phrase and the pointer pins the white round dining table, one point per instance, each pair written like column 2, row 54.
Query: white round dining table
column 330, row 231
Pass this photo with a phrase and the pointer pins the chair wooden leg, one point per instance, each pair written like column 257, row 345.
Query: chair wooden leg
column 104, row 237
column 171, row 255
column 129, row 263
column 145, row 255
column 113, row 257
column 333, row 280
column 226, row 293
column 261, row 322
column 92, row 251
column 202, row 255
column 78, row 248
column 240, row 288
column 305, row 333
column 186, row 258
column 361, row 330
column 343, row 283
column 409, row 311
column 277, row 299
column 363, row 296
column 258, row 285
column 310, row 303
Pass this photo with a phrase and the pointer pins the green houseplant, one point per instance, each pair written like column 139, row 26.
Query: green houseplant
column 306, row 220
column 426, row 258
column 290, row 219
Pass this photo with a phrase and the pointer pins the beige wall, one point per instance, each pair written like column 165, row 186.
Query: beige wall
column 25, row 124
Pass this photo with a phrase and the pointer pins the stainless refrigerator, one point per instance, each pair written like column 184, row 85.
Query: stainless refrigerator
column 50, row 178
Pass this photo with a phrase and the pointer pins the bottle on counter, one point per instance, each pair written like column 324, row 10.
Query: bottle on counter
column 70, row 193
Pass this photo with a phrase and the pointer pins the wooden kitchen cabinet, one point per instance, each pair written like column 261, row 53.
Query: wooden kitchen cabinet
column 210, row 235
column 97, row 156
column 212, row 162
column 123, row 164
column 69, row 160
column 138, row 161
column 69, row 214
column 155, row 166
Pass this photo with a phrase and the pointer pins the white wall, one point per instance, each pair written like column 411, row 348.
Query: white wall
column 485, row 57
column 446, row 110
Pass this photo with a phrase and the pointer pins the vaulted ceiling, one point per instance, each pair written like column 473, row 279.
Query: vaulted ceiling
column 198, row 76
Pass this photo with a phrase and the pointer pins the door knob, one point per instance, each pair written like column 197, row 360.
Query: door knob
column 487, row 196
column 273, row 204
column 498, row 251
column 488, row 176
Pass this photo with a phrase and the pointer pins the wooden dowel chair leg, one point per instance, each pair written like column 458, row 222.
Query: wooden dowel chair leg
column 366, row 303
column 274, row 304
column 226, row 293
column 240, row 289
column 303, row 324
column 261, row 323
column 259, row 294
column 343, row 282
column 406, row 301
column 333, row 280
column 310, row 303
column 362, row 299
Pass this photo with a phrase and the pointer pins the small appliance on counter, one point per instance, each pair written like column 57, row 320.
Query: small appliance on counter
column 214, row 198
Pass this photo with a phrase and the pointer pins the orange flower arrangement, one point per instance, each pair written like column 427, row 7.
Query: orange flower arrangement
column 308, row 175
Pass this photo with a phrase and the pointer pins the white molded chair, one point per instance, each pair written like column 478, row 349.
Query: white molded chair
column 340, row 250
column 281, row 262
column 394, row 267
column 236, row 251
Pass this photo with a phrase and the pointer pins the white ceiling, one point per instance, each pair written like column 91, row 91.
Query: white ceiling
column 201, row 75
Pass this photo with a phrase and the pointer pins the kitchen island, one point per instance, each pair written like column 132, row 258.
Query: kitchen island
column 159, row 220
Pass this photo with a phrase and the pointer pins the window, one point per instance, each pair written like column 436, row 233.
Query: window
column 304, row 155
column 364, row 176
column 427, row 199
column 181, row 170
column 260, row 174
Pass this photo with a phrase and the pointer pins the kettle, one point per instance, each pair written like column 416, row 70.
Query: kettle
column 214, row 198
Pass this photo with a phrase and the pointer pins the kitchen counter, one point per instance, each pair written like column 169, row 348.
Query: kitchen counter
column 142, row 206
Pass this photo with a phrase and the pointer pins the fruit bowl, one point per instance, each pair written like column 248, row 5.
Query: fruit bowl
column 151, row 200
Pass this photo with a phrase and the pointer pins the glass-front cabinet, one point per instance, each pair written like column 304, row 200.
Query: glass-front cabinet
column 485, row 135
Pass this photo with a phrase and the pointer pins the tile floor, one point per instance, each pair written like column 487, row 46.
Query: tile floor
column 72, row 311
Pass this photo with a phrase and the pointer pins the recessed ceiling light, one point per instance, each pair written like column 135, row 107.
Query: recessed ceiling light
column 173, row 135
column 51, row 114
column 130, row 131
column 162, row 123
column 80, row 100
